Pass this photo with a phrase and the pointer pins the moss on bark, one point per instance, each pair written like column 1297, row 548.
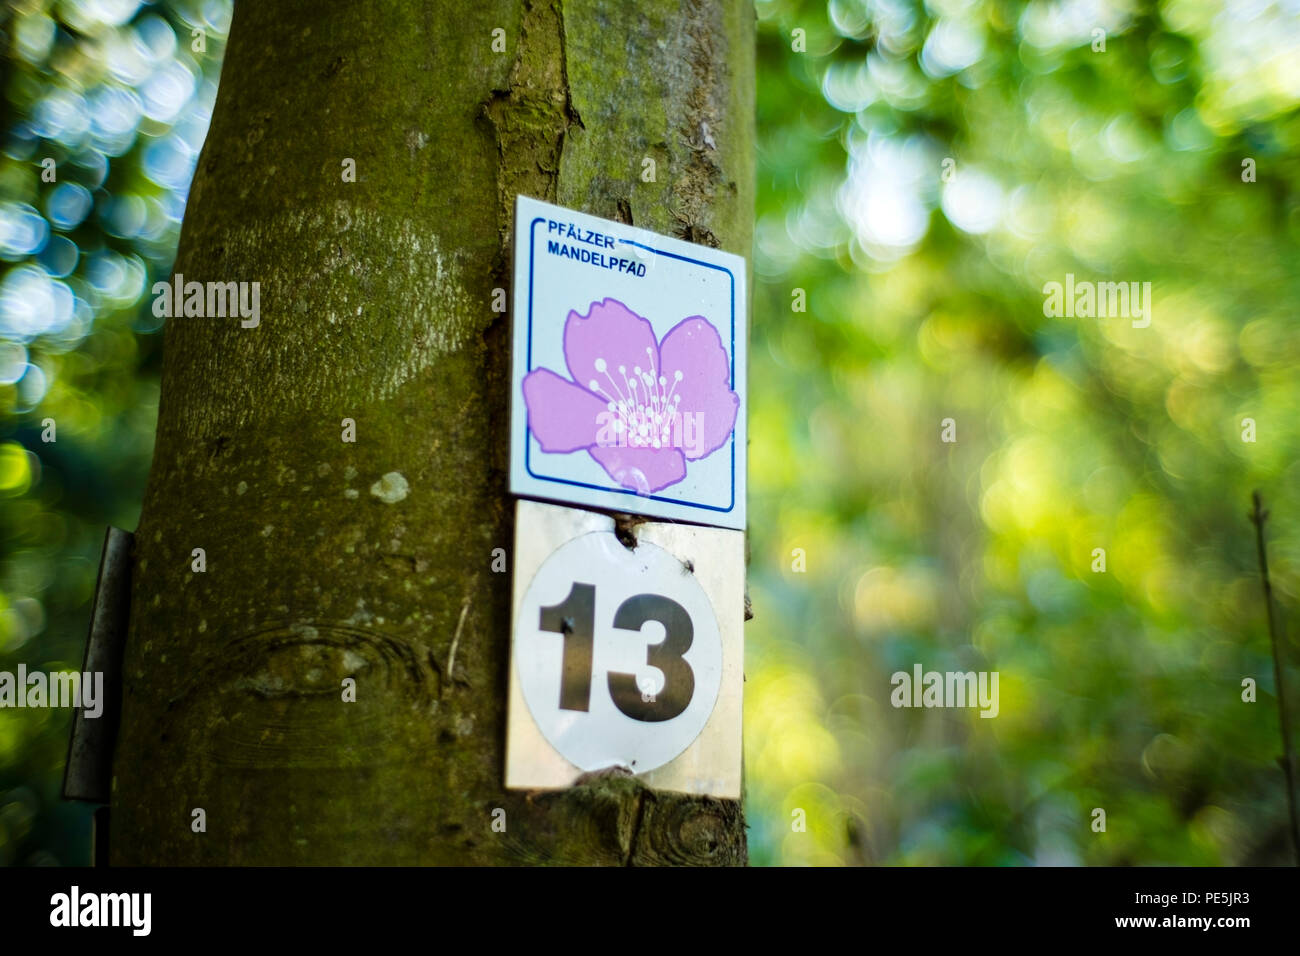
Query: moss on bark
column 376, row 306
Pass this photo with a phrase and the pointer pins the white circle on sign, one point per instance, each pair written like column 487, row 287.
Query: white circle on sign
column 618, row 653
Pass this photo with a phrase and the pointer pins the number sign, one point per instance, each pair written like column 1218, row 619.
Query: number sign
column 625, row 656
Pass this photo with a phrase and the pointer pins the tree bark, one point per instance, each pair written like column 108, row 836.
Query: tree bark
column 376, row 305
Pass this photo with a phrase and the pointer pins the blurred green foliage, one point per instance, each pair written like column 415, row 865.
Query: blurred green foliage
column 923, row 282
column 107, row 104
column 925, row 301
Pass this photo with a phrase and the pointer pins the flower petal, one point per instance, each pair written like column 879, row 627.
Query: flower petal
column 563, row 416
column 708, row 405
column 609, row 337
column 644, row 470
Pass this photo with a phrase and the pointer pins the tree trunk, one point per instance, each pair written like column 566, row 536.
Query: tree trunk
column 376, row 305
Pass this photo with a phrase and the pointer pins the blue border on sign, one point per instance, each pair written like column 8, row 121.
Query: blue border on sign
column 532, row 246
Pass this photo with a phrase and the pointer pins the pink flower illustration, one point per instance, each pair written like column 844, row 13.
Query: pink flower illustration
column 641, row 408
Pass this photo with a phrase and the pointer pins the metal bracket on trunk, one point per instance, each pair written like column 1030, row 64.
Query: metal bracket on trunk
column 89, row 771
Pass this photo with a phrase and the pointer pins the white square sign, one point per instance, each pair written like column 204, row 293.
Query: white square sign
column 625, row 657
column 628, row 385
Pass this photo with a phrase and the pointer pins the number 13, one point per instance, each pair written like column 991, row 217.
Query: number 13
column 574, row 618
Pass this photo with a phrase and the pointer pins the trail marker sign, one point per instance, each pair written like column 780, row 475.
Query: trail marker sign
column 629, row 371
column 629, row 657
